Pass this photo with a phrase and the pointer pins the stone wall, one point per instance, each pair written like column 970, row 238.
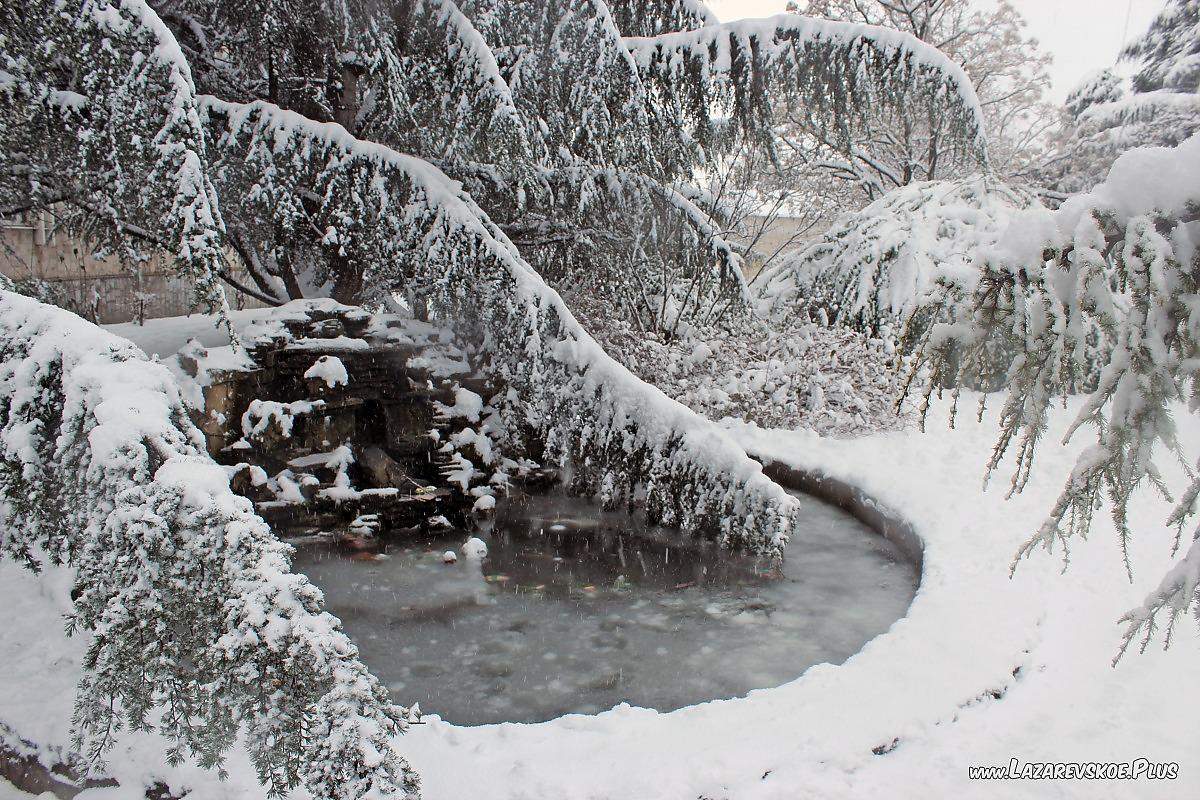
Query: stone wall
column 100, row 290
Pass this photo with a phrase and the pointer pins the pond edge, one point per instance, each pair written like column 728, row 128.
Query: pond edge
column 877, row 516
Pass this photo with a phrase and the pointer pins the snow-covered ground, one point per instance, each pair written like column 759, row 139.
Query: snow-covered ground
column 10, row 792
column 983, row 668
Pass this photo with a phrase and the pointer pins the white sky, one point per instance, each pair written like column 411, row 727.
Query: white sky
column 1082, row 35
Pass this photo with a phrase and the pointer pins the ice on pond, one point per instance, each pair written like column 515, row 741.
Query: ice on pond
column 573, row 610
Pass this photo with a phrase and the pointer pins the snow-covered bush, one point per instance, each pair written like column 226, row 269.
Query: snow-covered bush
column 904, row 262
column 825, row 378
column 876, row 268
column 1123, row 258
column 198, row 629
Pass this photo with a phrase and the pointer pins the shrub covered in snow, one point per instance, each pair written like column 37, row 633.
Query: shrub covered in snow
column 1051, row 278
column 832, row 380
column 877, row 267
column 198, row 629
column 903, row 262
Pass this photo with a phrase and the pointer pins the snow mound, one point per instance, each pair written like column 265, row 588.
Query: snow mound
column 329, row 369
column 475, row 548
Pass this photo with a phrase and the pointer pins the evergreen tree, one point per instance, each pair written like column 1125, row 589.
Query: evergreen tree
column 1169, row 52
column 899, row 145
column 198, row 629
column 1160, row 106
column 582, row 144
column 130, row 173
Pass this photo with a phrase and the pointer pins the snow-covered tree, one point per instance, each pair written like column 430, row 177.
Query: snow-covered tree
column 899, row 144
column 197, row 628
column 1122, row 258
column 1160, row 106
column 1169, row 52
column 126, row 171
column 906, row 261
column 582, row 144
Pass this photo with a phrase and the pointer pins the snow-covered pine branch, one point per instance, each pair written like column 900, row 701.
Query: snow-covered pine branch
column 1124, row 259
column 198, row 629
column 831, row 72
column 443, row 95
column 416, row 230
column 78, row 135
column 1181, row 111
column 418, row 76
column 575, row 85
column 655, row 17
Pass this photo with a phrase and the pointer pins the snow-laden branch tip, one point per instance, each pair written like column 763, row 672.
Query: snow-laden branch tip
column 1119, row 262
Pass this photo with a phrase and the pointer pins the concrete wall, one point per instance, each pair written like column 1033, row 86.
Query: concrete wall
column 101, row 290
column 779, row 232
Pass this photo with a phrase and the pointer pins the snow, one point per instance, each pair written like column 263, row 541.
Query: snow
column 485, row 503
column 10, row 792
column 926, row 683
column 336, row 343
column 166, row 337
column 467, row 405
column 474, row 548
column 261, row 415
column 1145, row 178
column 329, row 369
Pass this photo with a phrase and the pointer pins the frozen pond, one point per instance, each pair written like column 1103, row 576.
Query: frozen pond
column 575, row 610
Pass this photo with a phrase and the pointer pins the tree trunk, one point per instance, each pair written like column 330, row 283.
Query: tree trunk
column 347, row 110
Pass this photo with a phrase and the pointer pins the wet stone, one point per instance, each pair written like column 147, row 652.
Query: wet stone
column 595, row 609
